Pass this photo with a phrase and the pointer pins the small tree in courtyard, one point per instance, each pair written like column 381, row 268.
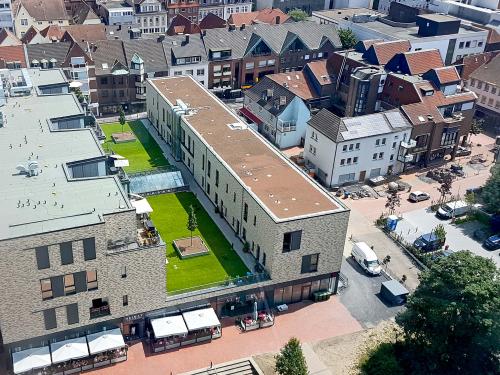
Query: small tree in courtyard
column 347, row 38
column 440, row 232
column 290, row 360
column 393, row 201
column 445, row 187
column 192, row 223
column 122, row 119
column 298, row 14
column 491, row 190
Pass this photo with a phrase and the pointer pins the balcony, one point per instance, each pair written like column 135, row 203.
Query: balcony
column 455, row 117
column 140, row 96
column 99, row 309
column 410, row 144
column 140, row 84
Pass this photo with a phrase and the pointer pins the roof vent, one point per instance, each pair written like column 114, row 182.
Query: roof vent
column 237, row 126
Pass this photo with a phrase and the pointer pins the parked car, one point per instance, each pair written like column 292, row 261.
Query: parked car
column 366, row 258
column 452, row 209
column 418, row 196
column 428, row 242
column 475, row 190
column 492, row 243
column 463, row 151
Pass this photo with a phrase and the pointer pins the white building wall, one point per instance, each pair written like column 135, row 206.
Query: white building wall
column 488, row 94
column 6, row 20
column 298, row 113
column 200, row 72
column 320, row 151
column 237, row 8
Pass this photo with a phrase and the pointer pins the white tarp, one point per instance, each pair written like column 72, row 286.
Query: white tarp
column 169, row 326
column 69, row 349
column 116, row 156
column 199, row 319
column 105, row 340
column 142, row 206
column 121, row 163
column 31, row 359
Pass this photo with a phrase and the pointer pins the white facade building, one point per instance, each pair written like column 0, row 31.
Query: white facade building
column 367, row 24
column 6, row 21
column 344, row 150
column 485, row 82
column 150, row 16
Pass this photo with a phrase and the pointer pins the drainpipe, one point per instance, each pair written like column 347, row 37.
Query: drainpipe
column 333, row 165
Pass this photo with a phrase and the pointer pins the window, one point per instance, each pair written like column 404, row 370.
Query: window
column 349, row 160
column 49, row 316
column 355, row 160
column 245, row 212
column 72, row 313
column 42, row 257
column 271, row 62
column 200, row 72
column 480, row 43
column 351, row 147
column 104, row 80
column 291, row 241
column 24, row 22
column 216, row 178
column 46, row 287
column 209, row 168
column 264, row 259
column 202, row 162
column 467, row 44
column 92, row 280
column 124, row 272
column 377, row 142
column 490, row 101
column 208, row 188
column 312, row 149
column 383, row 141
column 306, row 57
column 342, row 161
column 380, row 155
column 393, row 144
column 310, row 263
column 262, row 63
column 244, row 234
column 66, row 250
column 479, row 85
column 486, row 87
column 125, row 300
column 344, row 148
column 493, row 90
column 234, row 197
column 89, row 248
column 374, row 157
column 357, row 146
column 69, row 284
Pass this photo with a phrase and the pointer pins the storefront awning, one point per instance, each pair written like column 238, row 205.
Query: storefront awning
column 142, row 206
column 31, row 359
column 121, row 163
column 105, row 340
column 249, row 115
column 200, row 319
column 69, row 349
column 169, row 326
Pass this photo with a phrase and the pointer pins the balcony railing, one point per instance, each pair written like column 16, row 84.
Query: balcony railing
column 410, row 144
column 97, row 312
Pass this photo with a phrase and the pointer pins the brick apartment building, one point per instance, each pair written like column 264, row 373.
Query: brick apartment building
column 239, row 57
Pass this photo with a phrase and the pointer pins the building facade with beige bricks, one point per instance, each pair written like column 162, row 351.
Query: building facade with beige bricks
column 293, row 228
column 70, row 263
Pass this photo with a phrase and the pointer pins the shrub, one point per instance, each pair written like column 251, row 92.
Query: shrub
column 381, row 360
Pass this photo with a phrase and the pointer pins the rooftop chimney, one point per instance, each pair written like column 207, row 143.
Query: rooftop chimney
column 242, row 27
column 187, row 39
column 278, row 20
column 232, row 27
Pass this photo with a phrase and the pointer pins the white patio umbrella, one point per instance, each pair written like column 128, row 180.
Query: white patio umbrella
column 106, row 340
column 31, row 359
column 69, row 349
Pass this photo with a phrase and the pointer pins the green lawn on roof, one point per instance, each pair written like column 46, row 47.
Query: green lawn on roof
column 170, row 215
column 143, row 154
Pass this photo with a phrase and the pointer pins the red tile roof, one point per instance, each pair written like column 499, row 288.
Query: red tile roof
column 472, row 62
column 181, row 25
column 420, row 62
column 52, row 32
column 211, row 21
column 447, row 74
column 386, row 50
column 42, row 10
column 296, row 83
column 8, row 38
column 12, row 54
column 268, row 16
column 322, row 71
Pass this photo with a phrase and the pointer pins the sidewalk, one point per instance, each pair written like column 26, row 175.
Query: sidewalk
column 132, row 117
column 226, row 229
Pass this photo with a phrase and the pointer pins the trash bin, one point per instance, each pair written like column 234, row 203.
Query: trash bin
column 392, row 223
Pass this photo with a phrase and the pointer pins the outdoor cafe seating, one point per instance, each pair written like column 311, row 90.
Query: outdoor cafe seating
column 168, row 332
column 73, row 355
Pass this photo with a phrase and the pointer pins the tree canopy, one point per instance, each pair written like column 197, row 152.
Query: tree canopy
column 290, row 360
column 452, row 321
column 347, row 38
column 491, row 190
column 298, row 14
column 192, row 222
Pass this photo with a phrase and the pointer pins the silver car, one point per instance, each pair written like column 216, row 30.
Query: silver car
column 418, row 196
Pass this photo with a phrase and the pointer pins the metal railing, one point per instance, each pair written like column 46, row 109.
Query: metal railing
column 220, row 285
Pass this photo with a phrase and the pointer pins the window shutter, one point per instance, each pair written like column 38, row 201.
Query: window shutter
column 66, row 249
column 89, row 248
column 80, row 281
column 42, row 257
column 72, row 313
column 49, row 317
column 296, row 238
column 57, row 286
column 306, row 264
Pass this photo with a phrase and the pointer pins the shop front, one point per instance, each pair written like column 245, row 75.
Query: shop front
column 133, row 327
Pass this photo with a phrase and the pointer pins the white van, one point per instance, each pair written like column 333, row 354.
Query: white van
column 366, row 258
column 452, row 209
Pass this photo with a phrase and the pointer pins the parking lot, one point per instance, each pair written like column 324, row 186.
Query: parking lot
column 459, row 237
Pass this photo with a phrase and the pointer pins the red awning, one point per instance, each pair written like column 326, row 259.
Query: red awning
column 249, row 115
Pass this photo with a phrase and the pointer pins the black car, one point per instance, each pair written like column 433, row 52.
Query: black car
column 492, row 243
column 428, row 242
